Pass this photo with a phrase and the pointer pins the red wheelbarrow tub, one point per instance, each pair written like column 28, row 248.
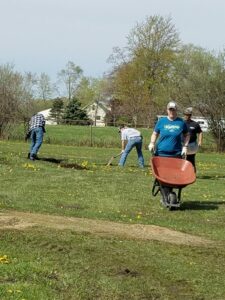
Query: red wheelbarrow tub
column 175, row 172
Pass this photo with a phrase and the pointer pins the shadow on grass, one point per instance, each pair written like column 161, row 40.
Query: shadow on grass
column 63, row 163
column 52, row 160
column 201, row 205
column 211, row 177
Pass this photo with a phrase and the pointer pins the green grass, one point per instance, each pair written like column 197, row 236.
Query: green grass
column 51, row 264
column 67, row 265
column 104, row 137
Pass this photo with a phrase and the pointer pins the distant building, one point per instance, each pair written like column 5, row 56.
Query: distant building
column 96, row 112
column 203, row 122
column 47, row 114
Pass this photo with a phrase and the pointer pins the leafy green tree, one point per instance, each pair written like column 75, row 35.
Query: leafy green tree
column 74, row 114
column 145, row 64
column 85, row 92
column 131, row 90
column 199, row 81
column 91, row 90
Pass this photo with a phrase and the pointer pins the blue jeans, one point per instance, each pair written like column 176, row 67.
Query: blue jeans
column 37, row 135
column 133, row 142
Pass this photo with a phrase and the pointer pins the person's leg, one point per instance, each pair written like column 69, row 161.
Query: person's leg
column 139, row 153
column 191, row 159
column 127, row 150
column 39, row 139
column 33, row 140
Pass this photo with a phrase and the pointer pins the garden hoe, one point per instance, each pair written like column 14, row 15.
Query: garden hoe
column 112, row 158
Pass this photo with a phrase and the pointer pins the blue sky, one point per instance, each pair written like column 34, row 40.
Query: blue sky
column 43, row 35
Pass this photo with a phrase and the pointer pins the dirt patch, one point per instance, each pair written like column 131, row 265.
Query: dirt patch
column 22, row 220
column 73, row 166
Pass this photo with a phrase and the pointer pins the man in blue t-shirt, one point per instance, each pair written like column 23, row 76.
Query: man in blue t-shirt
column 170, row 130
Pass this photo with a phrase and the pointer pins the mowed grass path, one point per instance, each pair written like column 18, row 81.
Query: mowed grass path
column 47, row 264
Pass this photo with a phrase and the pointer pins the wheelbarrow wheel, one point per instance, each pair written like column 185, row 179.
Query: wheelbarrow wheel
column 172, row 198
column 173, row 201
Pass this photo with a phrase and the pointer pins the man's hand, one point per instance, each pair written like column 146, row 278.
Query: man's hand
column 184, row 151
column 122, row 151
column 151, row 147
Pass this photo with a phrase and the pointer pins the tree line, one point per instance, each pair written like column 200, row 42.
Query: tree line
column 153, row 68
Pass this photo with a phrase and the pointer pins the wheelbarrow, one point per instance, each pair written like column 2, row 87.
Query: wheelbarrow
column 171, row 174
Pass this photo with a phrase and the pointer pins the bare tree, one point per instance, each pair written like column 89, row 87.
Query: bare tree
column 44, row 86
column 70, row 76
column 14, row 97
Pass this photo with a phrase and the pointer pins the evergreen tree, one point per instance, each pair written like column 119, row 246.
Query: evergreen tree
column 57, row 110
column 74, row 114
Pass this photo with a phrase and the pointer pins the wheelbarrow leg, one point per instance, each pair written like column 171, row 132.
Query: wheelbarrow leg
column 155, row 188
column 179, row 194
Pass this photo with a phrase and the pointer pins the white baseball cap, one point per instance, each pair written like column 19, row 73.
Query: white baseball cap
column 172, row 104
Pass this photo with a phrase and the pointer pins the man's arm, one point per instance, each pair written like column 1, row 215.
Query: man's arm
column 153, row 139
column 185, row 145
column 186, row 139
column 123, row 145
column 200, row 138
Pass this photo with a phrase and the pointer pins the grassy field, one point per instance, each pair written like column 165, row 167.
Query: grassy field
column 45, row 263
column 106, row 137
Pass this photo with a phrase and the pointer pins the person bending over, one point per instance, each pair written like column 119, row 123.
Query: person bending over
column 130, row 138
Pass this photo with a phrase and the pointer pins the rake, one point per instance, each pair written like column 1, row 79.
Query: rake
column 112, row 158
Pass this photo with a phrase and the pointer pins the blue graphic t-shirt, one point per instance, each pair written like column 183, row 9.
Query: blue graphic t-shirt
column 170, row 139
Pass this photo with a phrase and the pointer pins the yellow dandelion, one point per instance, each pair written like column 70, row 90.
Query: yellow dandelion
column 4, row 259
column 84, row 163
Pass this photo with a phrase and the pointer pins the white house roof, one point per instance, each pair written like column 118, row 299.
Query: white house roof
column 47, row 114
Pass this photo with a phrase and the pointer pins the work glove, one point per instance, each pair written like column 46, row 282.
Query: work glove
column 151, row 147
column 184, row 151
column 122, row 151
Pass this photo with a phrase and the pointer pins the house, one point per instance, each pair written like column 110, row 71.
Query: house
column 47, row 114
column 96, row 112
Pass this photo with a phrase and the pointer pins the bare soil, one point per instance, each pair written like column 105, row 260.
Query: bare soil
column 22, row 220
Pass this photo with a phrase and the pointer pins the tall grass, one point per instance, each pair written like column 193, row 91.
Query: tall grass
column 90, row 136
